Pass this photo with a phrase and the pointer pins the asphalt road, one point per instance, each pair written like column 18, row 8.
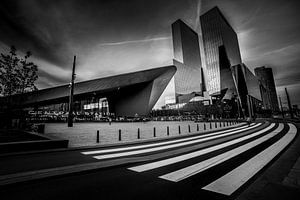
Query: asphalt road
column 218, row 165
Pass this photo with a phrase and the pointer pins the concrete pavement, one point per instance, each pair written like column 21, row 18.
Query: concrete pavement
column 114, row 174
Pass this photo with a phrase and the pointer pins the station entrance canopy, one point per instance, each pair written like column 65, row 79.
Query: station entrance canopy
column 127, row 94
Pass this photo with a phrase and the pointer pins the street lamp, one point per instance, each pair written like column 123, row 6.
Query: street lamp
column 70, row 116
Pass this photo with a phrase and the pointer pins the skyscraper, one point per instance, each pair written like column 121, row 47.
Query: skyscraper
column 221, row 50
column 188, row 62
column 269, row 95
column 248, row 89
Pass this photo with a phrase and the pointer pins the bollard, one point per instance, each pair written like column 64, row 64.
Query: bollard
column 138, row 136
column 154, row 132
column 223, row 124
column 98, row 136
column 220, row 124
column 215, row 124
column 189, row 128
column 197, row 127
column 204, row 126
column 210, row 125
column 120, row 135
column 179, row 129
column 227, row 123
column 168, row 130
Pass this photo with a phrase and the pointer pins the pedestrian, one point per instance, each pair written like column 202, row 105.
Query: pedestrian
column 248, row 120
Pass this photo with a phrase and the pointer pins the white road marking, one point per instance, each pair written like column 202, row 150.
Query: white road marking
column 122, row 154
column 233, row 180
column 165, row 162
column 160, row 143
column 191, row 170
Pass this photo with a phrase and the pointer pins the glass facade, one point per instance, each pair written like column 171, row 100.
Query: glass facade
column 217, row 33
column 84, row 110
column 268, row 89
column 188, row 62
column 252, row 83
column 248, row 89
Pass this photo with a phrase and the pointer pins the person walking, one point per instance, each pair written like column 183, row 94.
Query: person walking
column 248, row 120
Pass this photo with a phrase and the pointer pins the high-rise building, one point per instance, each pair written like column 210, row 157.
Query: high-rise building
column 248, row 89
column 269, row 95
column 188, row 62
column 221, row 50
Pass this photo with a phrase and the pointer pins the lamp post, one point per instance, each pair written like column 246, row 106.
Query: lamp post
column 289, row 103
column 281, row 107
column 70, row 116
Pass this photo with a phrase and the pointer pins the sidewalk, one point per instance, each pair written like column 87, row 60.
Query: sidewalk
column 41, row 164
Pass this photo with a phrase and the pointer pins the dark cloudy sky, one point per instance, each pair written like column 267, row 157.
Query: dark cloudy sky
column 115, row 36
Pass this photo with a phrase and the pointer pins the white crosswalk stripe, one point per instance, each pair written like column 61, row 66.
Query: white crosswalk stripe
column 233, row 180
column 204, row 158
column 160, row 148
column 206, row 164
column 161, row 143
column 165, row 162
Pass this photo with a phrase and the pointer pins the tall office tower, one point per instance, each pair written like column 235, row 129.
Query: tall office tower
column 188, row 62
column 222, row 51
column 248, row 88
column 269, row 96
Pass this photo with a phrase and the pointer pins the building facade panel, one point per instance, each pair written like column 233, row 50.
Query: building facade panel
column 216, row 33
column 265, row 76
column 187, row 59
column 252, row 83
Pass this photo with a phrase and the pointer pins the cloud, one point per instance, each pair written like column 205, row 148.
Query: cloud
column 117, row 36
column 134, row 41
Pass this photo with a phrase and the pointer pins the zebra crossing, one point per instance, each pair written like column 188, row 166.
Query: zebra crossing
column 184, row 157
column 148, row 148
column 179, row 167
column 231, row 181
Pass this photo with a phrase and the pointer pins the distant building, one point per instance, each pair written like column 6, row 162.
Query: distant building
column 269, row 95
column 187, row 59
column 222, row 51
